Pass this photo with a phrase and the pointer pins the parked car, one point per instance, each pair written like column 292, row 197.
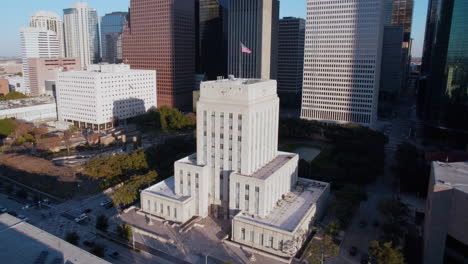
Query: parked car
column 81, row 218
column 3, row 209
column 13, row 213
column 86, row 211
column 24, row 218
column 112, row 253
column 353, row 251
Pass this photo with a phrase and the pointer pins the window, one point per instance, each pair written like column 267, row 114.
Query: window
column 155, row 207
column 162, row 208
column 149, row 205
column 168, row 211
column 257, row 200
column 221, row 185
column 246, row 197
column 175, row 212
column 196, row 181
column 237, row 194
column 271, row 242
column 260, row 239
column 243, row 233
column 252, row 236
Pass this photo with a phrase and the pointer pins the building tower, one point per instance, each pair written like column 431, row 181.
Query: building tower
column 112, row 26
column 49, row 21
column 342, row 61
column 211, row 19
column 37, row 43
column 238, row 172
column 160, row 35
column 255, row 24
column 81, row 30
column 446, row 104
column 291, row 60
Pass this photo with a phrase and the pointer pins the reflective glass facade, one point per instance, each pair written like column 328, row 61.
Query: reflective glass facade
column 447, row 96
column 112, row 26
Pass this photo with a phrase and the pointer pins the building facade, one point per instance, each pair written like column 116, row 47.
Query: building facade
column 391, row 77
column 42, row 70
column 211, row 46
column 160, row 35
column 342, row 61
column 4, row 87
column 238, row 172
column 49, row 21
column 291, row 39
column 254, row 24
column 446, row 102
column 103, row 94
column 81, row 30
column 112, row 26
column 37, row 43
column 445, row 237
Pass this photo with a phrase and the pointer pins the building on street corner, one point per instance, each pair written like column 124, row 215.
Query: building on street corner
column 104, row 94
column 238, row 172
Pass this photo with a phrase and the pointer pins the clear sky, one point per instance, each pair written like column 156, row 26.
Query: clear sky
column 15, row 14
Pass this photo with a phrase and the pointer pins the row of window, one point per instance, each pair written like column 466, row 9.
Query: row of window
column 261, row 239
column 162, row 212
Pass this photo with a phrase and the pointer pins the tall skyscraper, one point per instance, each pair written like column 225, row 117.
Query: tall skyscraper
column 254, row 24
column 291, row 60
column 112, row 26
column 446, row 104
column 49, row 21
column 342, row 61
column 160, row 35
column 429, row 35
column 37, row 43
column 81, row 27
column 211, row 57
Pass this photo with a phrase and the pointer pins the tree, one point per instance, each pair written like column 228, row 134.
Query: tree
column 333, row 228
column 124, row 231
column 129, row 192
column 13, row 96
column 67, row 135
column 73, row 128
column 48, row 143
column 102, row 223
column 72, row 238
column 22, row 194
column 321, row 250
column 396, row 215
column 7, row 126
column 22, row 128
column 98, row 250
column 39, row 132
column 384, row 253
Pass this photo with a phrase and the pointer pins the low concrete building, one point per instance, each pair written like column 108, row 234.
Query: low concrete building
column 4, row 86
column 96, row 98
column 445, row 227
column 25, row 243
column 238, row 172
column 29, row 109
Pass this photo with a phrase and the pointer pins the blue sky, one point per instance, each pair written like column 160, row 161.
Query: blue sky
column 15, row 14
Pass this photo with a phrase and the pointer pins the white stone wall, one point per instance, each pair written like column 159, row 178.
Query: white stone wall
column 167, row 208
column 97, row 97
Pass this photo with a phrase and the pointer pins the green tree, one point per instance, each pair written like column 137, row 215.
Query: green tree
column 7, row 126
column 396, row 215
column 72, row 238
column 102, row 223
column 73, row 128
column 129, row 192
column 124, row 231
column 13, row 96
column 322, row 249
column 385, row 253
column 333, row 228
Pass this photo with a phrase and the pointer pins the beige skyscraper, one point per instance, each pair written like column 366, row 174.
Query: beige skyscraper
column 50, row 21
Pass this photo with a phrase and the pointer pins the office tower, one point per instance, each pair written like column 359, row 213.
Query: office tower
column 4, row 87
column 211, row 47
column 112, row 26
column 445, row 237
column 50, row 21
column 290, row 60
column 37, row 43
column 111, row 92
column 81, row 29
column 388, row 13
column 429, row 36
column 254, row 24
column 446, row 104
column 238, row 172
column 342, row 70
column 161, row 36
column 391, row 72
column 42, row 70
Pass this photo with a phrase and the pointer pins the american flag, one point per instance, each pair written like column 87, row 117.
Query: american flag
column 245, row 49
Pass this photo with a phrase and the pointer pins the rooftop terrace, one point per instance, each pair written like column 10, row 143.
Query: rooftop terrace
column 290, row 211
column 166, row 189
column 279, row 161
column 10, row 104
column 453, row 174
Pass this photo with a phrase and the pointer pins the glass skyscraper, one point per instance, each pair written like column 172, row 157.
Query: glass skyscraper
column 112, row 26
column 446, row 104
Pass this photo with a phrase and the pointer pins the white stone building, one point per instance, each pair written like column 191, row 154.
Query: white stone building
column 104, row 93
column 342, row 59
column 239, row 173
column 49, row 21
column 37, row 43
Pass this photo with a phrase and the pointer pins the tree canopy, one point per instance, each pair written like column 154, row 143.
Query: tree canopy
column 165, row 118
column 385, row 253
column 13, row 96
column 321, row 250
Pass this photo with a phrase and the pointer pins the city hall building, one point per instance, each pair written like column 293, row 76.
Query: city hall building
column 238, row 172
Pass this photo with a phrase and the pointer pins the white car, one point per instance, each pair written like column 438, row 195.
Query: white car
column 81, row 217
column 3, row 209
column 24, row 218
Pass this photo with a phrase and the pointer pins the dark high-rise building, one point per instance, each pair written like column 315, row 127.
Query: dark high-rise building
column 446, row 104
column 429, row 35
column 255, row 24
column 112, row 26
column 160, row 35
column 211, row 57
column 290, row 60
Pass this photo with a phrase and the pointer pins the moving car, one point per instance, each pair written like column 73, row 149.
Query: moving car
column 81, row 218
column 3, row 209
column 112, row 253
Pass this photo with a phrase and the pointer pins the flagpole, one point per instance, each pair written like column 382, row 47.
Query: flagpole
column 240, row 61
